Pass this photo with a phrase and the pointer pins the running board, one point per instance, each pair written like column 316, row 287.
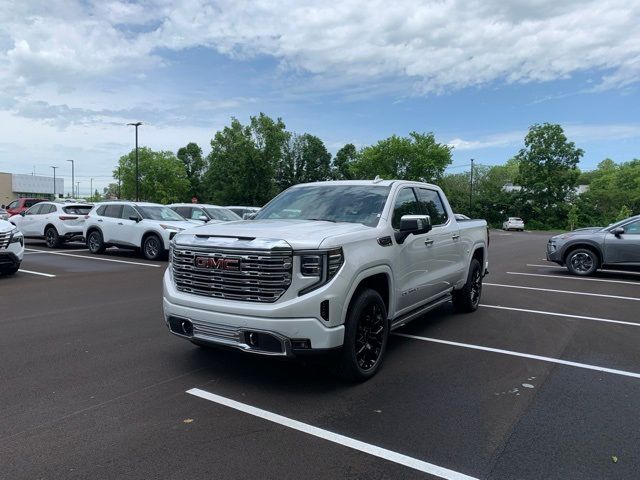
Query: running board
column 407, row 317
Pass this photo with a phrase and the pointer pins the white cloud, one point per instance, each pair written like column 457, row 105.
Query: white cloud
column 439, row 45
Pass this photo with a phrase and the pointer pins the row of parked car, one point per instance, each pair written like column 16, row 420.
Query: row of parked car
column 147, row 227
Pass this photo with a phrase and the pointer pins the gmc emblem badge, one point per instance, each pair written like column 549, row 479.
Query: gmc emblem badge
column 219, row 263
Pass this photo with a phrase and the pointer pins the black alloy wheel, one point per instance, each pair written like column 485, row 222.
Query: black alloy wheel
column 582, row 262
column 51, row 237
column 370, row 336
column 152, row 247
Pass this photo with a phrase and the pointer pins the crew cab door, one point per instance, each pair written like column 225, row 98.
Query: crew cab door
column 624, row 248
column 445, row 260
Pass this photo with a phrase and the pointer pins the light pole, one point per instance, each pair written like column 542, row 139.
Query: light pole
column 73, row 176
column 91, row 190
column 137, row 124
column 471, row 189
column 54, row 181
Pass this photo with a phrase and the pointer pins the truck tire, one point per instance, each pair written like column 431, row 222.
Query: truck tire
column 95, row 243
column 582, row 261
column 365, row 337
column 467, row 299
column 52, row 238
column 10, row 270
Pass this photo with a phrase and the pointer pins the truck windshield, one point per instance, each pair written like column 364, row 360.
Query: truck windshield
column 332, row 203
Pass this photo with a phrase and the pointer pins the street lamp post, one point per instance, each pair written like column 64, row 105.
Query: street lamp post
column 73, row 176
column 54, row 181
column 137, row 124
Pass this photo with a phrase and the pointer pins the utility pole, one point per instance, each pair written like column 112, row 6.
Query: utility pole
column 91, row 190
column 471, row 189
column 137, row 124
column 78, row 189
column 73, row 176
column 54, row 181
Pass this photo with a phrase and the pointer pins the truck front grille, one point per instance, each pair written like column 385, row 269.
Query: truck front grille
column 4, row 239
column 250, row 276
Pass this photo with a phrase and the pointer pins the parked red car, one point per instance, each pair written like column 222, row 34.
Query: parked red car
column 21, row 204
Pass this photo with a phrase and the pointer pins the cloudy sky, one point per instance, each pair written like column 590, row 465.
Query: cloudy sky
column 476, row 73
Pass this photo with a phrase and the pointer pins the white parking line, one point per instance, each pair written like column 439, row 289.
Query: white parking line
column 367, row 448
column 573, row 278
column 31, row 251
column 523, row 355
column 562, row 291
column 555, row 265
column 106, row 259
column 565, row 315
column 49, row 275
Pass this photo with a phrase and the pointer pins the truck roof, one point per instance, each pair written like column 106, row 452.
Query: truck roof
column 381, row 182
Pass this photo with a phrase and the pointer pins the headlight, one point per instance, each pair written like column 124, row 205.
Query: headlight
column 171, row 227
column 322, row 264
column 16, row 236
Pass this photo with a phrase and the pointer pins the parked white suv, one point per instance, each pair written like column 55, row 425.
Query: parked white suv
column 55, row 222
column 148, row 227
column 323, row 266
column 513, row 223
column 204, row 213
column 11, row 248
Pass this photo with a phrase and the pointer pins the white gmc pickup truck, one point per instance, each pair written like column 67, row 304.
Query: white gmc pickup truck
column 325, row 267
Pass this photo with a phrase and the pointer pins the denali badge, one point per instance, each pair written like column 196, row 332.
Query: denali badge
column 218, row 263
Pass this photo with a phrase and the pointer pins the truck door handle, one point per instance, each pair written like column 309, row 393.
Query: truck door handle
column 99, row 219
column 455, row 236
column 428, row 243
column 120, row 223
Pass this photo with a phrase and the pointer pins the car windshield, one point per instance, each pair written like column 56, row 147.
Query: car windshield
column 159, row 213
column 333, row 203
column 222, row 214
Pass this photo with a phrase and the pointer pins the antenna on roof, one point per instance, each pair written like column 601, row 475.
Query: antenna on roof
column 377, row 179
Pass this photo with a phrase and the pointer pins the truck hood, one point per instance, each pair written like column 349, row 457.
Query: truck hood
column 299, row 234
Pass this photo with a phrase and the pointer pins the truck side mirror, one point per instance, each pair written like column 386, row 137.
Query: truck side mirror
column 135, row 218
column 413, row 225
column 618, row 231
column 203, row 218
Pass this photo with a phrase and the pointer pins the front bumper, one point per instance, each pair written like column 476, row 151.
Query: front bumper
column 294, row 335
column 554, row 253
column 9, row 260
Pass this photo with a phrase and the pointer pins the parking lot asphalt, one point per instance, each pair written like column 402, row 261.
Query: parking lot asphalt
column 543, row 381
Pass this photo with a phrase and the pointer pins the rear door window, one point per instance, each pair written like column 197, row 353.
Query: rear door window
column 35, row 210
column 431, row 204
column 113, row 211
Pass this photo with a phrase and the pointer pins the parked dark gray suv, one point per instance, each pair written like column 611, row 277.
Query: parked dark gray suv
column 585, row 250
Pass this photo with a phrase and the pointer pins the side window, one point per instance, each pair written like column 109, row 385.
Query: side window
column 30, row 203
column 113, row 211
column 13, row 204
column 35, row 210
column 431, row 204
column 196, row 213
column 100, row 210
column 182, row 211
column 632, row 228
column 128, row 211
column 48, row 209
column 406, row 204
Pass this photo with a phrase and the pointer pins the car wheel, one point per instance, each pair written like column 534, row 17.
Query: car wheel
column 152, row 247
column 582, row 261
column 95, row 242
column 10, row 270
column 365, row 337
column 52, row 238
column 467, row 299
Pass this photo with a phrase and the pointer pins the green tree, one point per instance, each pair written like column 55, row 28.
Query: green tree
column 194, row 167
column 162, row 176
column 342, row 162
column 625, row 212
column 572, row 216
column 111, row 191
column 548, row 172
column 416, row 157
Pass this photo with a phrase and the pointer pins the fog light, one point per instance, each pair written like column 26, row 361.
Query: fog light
column 301, row 343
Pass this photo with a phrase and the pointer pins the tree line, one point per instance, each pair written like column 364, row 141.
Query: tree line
column 251, row 163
